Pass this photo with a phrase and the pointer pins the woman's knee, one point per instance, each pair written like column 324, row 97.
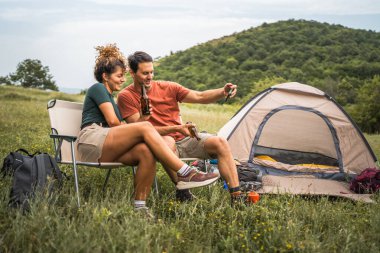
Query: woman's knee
column 143, row 152
column 146, row 125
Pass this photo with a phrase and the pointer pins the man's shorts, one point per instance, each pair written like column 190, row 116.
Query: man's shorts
column 90, row 143
column 191, row 147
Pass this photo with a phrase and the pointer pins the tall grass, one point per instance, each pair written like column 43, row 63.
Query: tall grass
column 106, row 221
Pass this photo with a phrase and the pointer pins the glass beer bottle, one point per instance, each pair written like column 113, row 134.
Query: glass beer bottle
column 144, row 100
column 193, row 131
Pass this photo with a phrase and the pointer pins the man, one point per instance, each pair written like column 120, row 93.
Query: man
column 165, row 116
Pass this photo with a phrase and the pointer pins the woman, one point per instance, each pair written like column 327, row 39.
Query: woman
column 104, row 138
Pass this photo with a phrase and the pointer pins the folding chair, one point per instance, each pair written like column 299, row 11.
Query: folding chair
column 65, row 121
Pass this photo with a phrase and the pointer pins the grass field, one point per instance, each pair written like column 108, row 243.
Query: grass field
column 107, row 222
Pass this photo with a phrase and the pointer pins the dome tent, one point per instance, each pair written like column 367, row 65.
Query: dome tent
column 295, row 129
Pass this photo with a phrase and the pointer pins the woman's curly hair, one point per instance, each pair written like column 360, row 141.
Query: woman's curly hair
column 108, row 59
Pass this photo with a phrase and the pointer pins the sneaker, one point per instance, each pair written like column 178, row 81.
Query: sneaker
column 195, row 178
column 184, row 195
column 144, row 212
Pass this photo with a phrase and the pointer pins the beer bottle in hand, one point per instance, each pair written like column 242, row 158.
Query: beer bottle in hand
column 144, row 100
column 193, row 131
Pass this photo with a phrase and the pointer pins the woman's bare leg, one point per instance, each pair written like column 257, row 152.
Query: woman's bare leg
column 121, row 139
column 141, row 156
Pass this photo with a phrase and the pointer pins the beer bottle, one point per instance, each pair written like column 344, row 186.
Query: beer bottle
column 193, row 131
column 144, row 100
column 229, row 95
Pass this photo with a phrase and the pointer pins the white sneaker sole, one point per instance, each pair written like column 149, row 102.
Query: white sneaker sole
column 181, row 185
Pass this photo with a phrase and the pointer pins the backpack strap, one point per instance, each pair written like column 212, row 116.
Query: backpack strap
column 24, row 151
column 34, row 172
column 41, row 170
column 37, row 153
column 57, row 172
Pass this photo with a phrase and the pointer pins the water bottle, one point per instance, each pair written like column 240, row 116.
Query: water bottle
column 225, row 186
column 214, row 169
column 213, row 161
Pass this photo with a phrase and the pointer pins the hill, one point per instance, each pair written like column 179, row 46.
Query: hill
column 336, row 59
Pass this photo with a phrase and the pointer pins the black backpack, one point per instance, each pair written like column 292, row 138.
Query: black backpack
column 31, row 173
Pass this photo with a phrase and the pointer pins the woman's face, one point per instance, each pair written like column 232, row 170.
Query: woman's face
column 116, row 79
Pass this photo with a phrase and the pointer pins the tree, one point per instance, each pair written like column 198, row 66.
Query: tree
column 31, row 73
column 346, row 92
column 231, row 62
column 367, row 111
column 5, row 80
column 261, row 85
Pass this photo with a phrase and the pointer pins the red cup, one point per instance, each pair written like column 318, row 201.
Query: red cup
column 253, row 197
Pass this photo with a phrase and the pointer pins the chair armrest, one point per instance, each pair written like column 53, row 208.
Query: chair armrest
column 65, row 137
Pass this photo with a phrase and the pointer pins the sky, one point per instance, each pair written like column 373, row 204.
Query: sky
column 64, row 34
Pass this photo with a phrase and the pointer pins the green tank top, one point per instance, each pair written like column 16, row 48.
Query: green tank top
column 95, row 96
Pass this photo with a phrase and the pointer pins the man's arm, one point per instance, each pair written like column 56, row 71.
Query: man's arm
column 162, row 130
column 209, row 96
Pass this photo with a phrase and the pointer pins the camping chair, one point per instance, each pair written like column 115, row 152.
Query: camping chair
column 65, row 122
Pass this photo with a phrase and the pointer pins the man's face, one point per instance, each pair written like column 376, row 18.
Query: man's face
column 144, row 74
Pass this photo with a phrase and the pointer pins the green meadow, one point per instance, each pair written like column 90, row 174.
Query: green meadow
column 106, row 221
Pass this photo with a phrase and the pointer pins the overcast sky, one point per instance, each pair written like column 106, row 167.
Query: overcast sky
column 63, row 34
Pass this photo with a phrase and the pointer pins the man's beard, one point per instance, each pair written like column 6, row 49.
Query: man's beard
column 147, row 86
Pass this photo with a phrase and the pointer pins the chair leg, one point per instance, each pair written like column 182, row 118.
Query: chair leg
column 75, row 172
column 106, row 181
column 156, row 184
column 134, row 170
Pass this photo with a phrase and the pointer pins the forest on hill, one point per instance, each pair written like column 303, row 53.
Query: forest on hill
column 343, row 62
